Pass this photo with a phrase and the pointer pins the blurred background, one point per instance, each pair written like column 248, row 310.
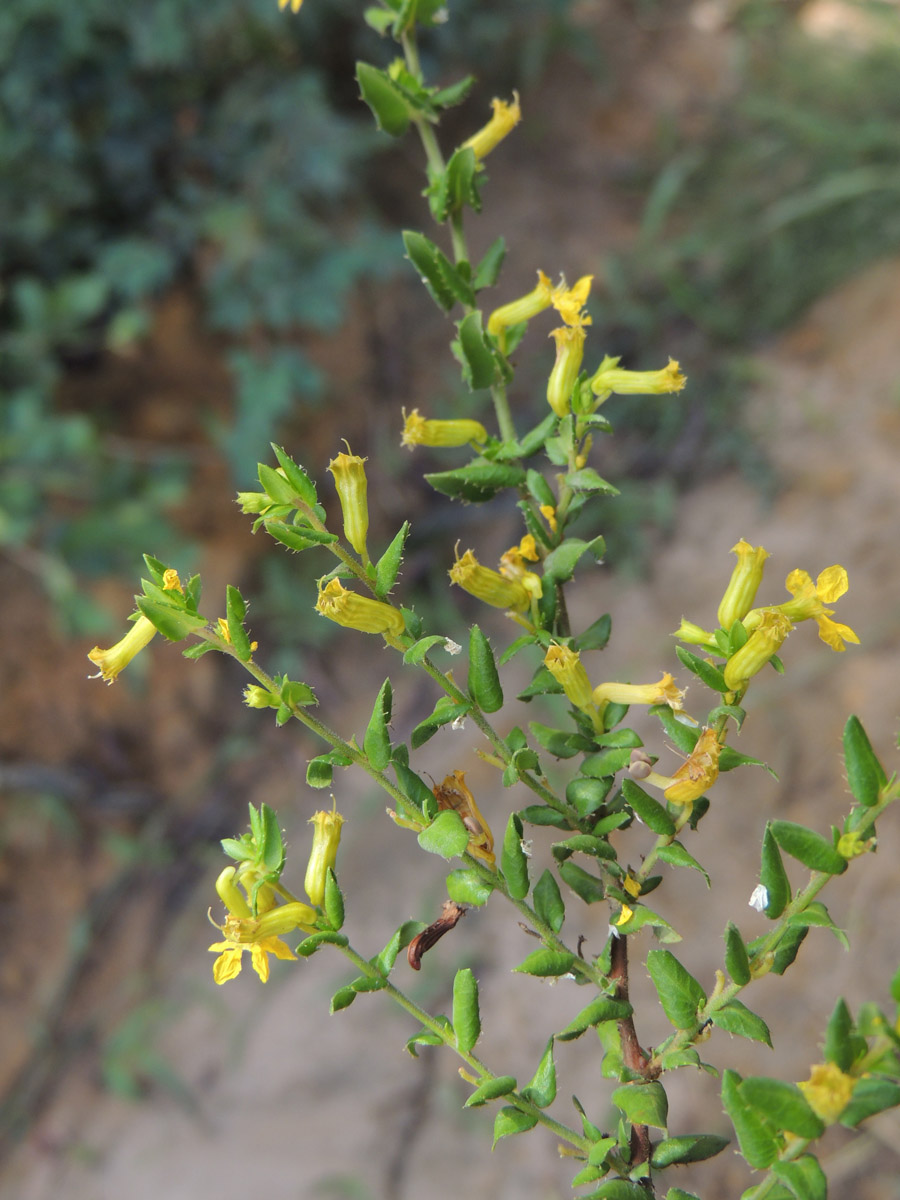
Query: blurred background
column 201, row 254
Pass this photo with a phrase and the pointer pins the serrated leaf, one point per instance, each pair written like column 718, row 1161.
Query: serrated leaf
column 782, row 1104
column 513, row 860
column 735, row 1017
column 169, row 619
column 546, row 963
column 808, row 847
column 757, row 1140
column 773, row 877
column 388, row 566
column 484, row 682
column 474, row 353
column 548, row 902
column 433, row 268
column 389, row 107
column 491, row 1089
column 377, row 740
column 865, row 774
column 466, row 886
column 587, row 480
column 446, row 835
column 477, row 482
column 680, row 995
column 643, row 1103
column 488, row 270
column 466, row 1017
column 710, row 675
column 509, row 1121
column 691, row 1147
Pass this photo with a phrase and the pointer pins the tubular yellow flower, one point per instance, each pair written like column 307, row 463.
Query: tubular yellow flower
column 326, row 839
column 688, row 632
column 350, row 480
column 358, row 612
column 809, row 603
column 567, row 669
column 523, row 309
column 609, row 378
column 488, row 585
column 699, row 773
column 141, row 633
column 258, row 935
column 569, row 302
column 506, row 117
column 512, row 566
column 827, row 1091
column 663, row 692
column 744, row 583
column 569, row 353
column 763, row 642
column 417, row 431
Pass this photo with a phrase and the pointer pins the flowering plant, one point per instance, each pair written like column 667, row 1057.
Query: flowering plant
column 612, row 804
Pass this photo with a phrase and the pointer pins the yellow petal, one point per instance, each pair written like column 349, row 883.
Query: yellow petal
column 228, row 964
column 832, row 583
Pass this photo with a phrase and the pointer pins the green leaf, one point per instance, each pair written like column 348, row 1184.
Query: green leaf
column 773, row 877
column 466, row 1017
column 466, row 886
column 446, row 835
column 377, row 742
column 271, row 844
column 235, row 612
column 477, row 482
column 342, row 998
column 546, row 963
column 475, row 354
column 783, row 1105
column 491, row 1089
column 587, row 480
column 755, row 1135
column 803, row 1178
column 171, row 620
column 599, row 766
column 298, row 537
column 646, row 916
column 587, row 795
column 602, row 1009
column 680, row 995
column 596, row 636
column 542, row 1089
column 676, row 856
column 445, row 711
column 510, row 1120
column 303, row 486
column 334, row 900
column 417, row 652
column 618, row 1189
column 808, row 847
column 325, row 937
column 583, row 843
column 675, row 1193
column 542, row 814
column 559, row 565
column 582, row 882
column 737, row 961
column 710, row 675
column 788, row 947
column 488, row 270
column 388, row 566
column 279, row 489
column 870, row 1096
column 435, row 270
column 735, row 1017
column 384, row 98
column 561, row 743
column 842, row 1044
column 413, row 787
column 643, row 1103
column 513, row 860
column 691, row 1147
column 484, row 682
column 816, row 913
column 865, row 773
column 548, row 902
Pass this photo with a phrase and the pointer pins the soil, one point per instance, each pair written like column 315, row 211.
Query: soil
column 126, row 1072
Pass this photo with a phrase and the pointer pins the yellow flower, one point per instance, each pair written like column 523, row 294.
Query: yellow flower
column 349, row 473
column 548, row 512
column 744, row 583
column 523, row 309
column 259, row 935
column 624, row 916
column 662, row 692
column 827, row 1091
column 228, row 964
column 513, row 566
column 506, row 117
column 569, row 302
column 326, row 839
column 488, row 585
column 809, row 603
column 295, row 4
column 765, row 640
column 141, row 633
column 688, row 632
column 417, row 431
column 569, row 353
column 358, row 612
column 699, row 773
column 609, row 378
column 631, row 886
column 567, row 669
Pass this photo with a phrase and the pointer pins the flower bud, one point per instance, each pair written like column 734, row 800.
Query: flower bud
column 765, row 641
column 744, row 584
column 488, row 585
column 688, row 632
column 326, row 839
column 417, row 431
column 569, row 353
column 358, row 612
column 350, row 480
column 609, row 378
column 505, row 118
column 260, row 697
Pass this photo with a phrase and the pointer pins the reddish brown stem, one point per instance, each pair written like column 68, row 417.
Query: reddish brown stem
column 633, row 1056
